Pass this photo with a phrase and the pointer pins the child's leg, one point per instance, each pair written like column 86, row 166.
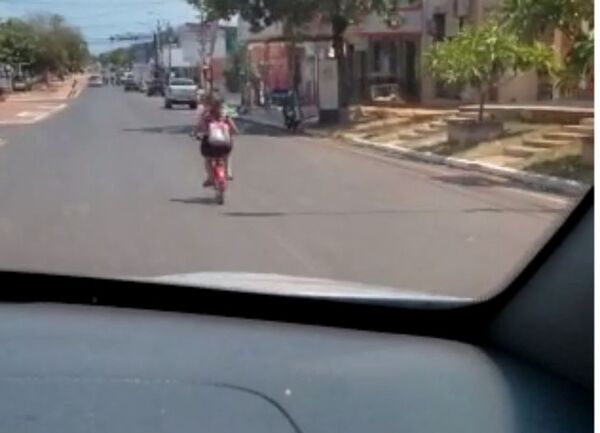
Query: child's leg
column 228, row 165
column 208, row 168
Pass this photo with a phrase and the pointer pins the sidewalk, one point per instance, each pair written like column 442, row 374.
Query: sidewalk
column 56, row 91
column 25, row 112
column 23, row 108
column 274, row 118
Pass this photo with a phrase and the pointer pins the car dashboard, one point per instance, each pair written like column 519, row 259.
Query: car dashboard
column 75, row 368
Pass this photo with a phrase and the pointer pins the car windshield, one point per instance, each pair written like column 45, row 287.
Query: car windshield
column 423, row 147
column 182, row 82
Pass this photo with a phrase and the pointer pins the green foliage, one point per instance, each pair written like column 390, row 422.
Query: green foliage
column 575, row 18
column 120, row 57
column 482, row 56
column 533, row 18
column 17, row 43
column 578, row 64
column 44, row 42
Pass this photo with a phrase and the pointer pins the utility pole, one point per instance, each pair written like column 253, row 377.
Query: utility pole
column 202, row 40
column 159, row 62
column 206, row 38
column 169, row 41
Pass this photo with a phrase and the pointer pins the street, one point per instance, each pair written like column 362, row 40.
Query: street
column 112, row 186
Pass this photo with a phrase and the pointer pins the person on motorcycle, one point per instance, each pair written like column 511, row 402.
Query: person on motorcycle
column 212, row 111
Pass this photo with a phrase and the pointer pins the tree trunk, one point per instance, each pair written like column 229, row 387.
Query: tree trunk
column 338, row 47
column 481, row 102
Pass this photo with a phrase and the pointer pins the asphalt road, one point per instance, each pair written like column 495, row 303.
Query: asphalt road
column 111, row 186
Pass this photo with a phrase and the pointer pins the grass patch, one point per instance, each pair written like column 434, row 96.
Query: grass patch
column 565, row 163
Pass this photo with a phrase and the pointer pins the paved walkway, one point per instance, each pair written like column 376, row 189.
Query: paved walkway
column 274, row 118
column 24, row 108
column 22, row 113
column 56, row 91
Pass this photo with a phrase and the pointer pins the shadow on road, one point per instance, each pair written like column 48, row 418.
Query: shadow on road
column 171, row 129
column 247, row 128
column 471, row 180
column 280, row 214
column 195, row 200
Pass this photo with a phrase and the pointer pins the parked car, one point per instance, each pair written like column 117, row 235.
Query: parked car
column 181, row 91
column 21, row 83
column 95, row 81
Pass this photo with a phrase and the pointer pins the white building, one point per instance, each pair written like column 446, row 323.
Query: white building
column 195, row 41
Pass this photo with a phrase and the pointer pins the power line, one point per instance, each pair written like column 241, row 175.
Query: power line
column 83, row 3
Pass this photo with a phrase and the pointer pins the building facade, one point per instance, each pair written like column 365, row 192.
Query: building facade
column 194, row 48
column 385, row 56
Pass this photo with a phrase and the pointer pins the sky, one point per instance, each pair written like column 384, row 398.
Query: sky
column 100, row 19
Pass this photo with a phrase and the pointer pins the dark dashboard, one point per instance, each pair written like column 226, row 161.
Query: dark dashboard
column 88, row 369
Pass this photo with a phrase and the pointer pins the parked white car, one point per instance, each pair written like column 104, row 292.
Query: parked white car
column 181, row 91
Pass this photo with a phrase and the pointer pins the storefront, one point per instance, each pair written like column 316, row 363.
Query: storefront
column 384, row 56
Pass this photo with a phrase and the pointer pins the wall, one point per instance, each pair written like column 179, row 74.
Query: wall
column 409, row 21
column 521, row 89
column 274, row 56
column 189, row 40
column 191, row 46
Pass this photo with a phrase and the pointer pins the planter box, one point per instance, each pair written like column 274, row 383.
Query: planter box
column 587, row 151
column 468, row 132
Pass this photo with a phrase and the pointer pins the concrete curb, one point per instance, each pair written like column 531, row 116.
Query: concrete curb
column 534, row 180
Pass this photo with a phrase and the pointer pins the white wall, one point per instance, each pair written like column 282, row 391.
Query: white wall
column 220, row 51
column 190, row 45
column 177, row 58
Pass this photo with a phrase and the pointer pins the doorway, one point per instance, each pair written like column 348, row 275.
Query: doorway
column 411, row 71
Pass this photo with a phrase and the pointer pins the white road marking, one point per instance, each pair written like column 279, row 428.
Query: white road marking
column 29, row 117
column 27, row 114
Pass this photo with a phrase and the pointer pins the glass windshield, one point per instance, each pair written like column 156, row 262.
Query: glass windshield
column 182, row 82
column 428, row 150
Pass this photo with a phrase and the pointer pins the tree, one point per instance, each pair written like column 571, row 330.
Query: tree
column 120, row 57
column 533, row 19
column 17, row 43
column 61, row 48
column 338, row 14
column 481, row 57
column 45, row 43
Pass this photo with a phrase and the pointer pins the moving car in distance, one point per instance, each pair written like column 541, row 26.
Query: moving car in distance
column 155, row 87
column 181, row 91
column 129, row 83
column 95, row 81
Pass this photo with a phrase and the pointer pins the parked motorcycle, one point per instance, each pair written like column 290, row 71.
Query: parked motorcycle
column 291, row 116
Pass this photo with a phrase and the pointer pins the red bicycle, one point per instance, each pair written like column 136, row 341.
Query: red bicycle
column 219, row 176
